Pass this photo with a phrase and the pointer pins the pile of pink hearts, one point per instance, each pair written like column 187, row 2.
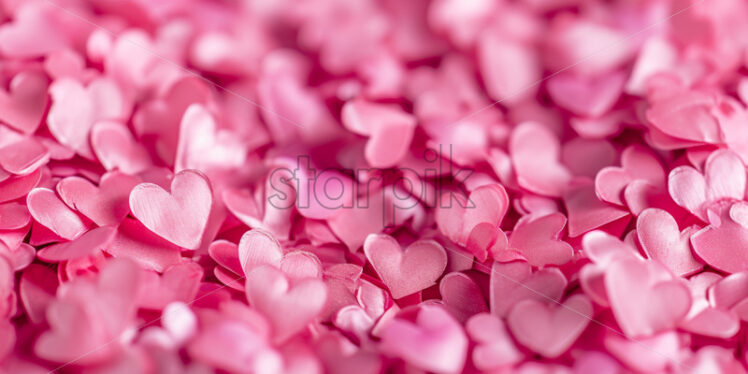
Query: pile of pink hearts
column 373, row 186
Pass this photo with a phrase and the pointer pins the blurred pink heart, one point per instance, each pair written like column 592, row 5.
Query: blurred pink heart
column 548, row 330
column 288, row 308
column 434, row 341
column 115, row 147
column 258, row 247
column 24, row 156
column 405, row 271
column 514, row 281
column 389, row 129
column 662, row 241
column 203, row 146
column 23, row 107
column 106, row 204
column 179, row 216
column 637, row 163
column 586, row 96
column 462, row 296
column 538, row 239
column 644, row 297
column 495, row 348
column 485, row 205
column 645, row 354
column 535, row 153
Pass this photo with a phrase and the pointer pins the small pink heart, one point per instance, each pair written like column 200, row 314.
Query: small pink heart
column 586, row 212
column 75, row 108
column 91, row 241
column 644, row 297
column 724, row 179
column 724, row 244
column 288, row 308
column 538, row 239
column 457, row 217
column 494, row 347
column 115, row 147
column 646, row 354
column 668, row 112
column 50, row 211
column 535, row 153
column 106, row 204
column 37, row 290
column 435, row 342
column 178, row 283
column 179, row 216
column 24, row 156
column 586, row 96
column 550, row 331
column 637, row 163
column 405, row 271
column 23, row 107
column 390, row 130
column 662, row 241
column 136, row 242
column 462, row 296
column 202, row 146
column 514, row 281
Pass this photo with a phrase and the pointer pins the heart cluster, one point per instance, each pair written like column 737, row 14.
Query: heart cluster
column 394, row 186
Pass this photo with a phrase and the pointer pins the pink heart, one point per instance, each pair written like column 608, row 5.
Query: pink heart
column 115, row 147
column 106, row 204
column 724, row 244
column 178, row 283
column 405, row 271
column 637, row 163
column 50, row 211
column 644, row 297
column 289, row 308
column 586, row 96
column 514, row 281
column 662, row 241
column 538, row 239
column 23, row 107
column 457, row 217
column 390, row 131
column 494, row 347
column 136, row 242
column 203, row 146
column 668, row 113
column 35, row 31
column 462, row 296
column 180, row 216
column 548, row 330
column 24, row 156
column 18, row 186
column 647, row 354
column 13, row 216
column 76, row 108
column 535, row 153
column 586, row 212
column 724, row 179
column 91, row 241
column 434, row 342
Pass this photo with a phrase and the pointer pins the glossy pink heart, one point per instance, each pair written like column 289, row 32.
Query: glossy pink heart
column 23, row 107
column 405, row 271
column 495, row 348
column 390, row 131
column 550, row 330
column 179, row 216
column 535, row 153
column 538, row 239
column 515, row 281
column 106, row 204
column 662, row 241
column 113, row 144
column 50, row 211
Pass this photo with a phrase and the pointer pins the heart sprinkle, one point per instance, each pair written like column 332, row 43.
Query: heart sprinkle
column 392, row 186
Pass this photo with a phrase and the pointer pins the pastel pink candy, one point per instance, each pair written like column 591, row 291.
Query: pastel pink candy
column 550, row 331
column 179, row 216
column 433, row 342
column 405, row 271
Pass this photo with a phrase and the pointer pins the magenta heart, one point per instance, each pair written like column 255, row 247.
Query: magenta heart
column 538, row 239
column 548, row 330
column 662, row 241
column 405, row 271
column 644, row 297
column 514, row 281
column 107, row 204
column 180, row 216
column 289, row 308
column 434, row 342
